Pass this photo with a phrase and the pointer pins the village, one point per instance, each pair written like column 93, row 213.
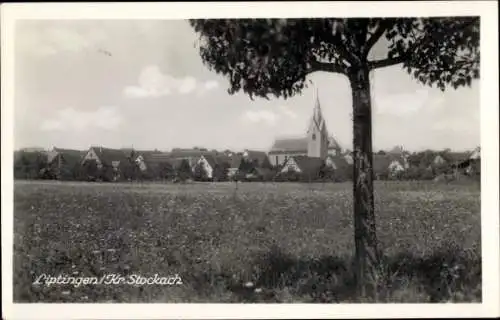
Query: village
column 315, row 156
column 326, row 157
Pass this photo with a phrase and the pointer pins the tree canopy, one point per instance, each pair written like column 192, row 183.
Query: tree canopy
column 263, row 57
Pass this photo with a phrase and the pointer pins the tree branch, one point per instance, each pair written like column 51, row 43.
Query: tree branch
column 375, row 36
column 386, row 62
column 328, row 67
column 340, row 46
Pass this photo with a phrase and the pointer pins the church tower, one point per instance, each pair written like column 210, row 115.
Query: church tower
column 317, row 135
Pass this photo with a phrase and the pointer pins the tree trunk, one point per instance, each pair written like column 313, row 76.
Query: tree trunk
column 367, row 255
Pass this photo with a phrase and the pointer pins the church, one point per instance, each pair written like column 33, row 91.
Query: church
column 315, row 144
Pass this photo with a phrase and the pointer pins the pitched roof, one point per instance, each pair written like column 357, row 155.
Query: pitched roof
column 146, row 155
column 222, row 159
column 235, row 160
column 51, row 155
column 423, row 158
column 297, row 144
column 155, row 158
column 333, row 143
column 476, row 153
column 175, row 162
column 453, row 157
column 68, row 156
column 210, row 159
column 107, row 155
column 397, row 150
column 30, row 156
column 160, row 159
column 339, row 161
column 260, row 157
column 214, row 160
column 156, row 155
column 381, row 163
column 309, row 166
column 189, row 153
column 72, row 152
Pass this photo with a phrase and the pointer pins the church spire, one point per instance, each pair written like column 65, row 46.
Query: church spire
column 317, row 114
column 317, row 146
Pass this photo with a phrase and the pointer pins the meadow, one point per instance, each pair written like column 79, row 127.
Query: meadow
column 259, row 242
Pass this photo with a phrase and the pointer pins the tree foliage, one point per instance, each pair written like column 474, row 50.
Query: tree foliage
column 221, row 171
column 165, row 171
column 184, row 171
column 199, row 172
column 263, row 57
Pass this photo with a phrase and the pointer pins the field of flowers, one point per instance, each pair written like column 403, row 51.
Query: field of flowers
column 259, row 242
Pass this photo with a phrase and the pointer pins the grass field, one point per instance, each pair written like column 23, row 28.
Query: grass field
column 293, row 242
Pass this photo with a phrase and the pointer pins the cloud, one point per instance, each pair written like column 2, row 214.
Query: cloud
column 265, row 116
column 403, row 104
column 187, row 85
column 268, row 116
column 42, row 41
column 455, row 125
column 152, row 83
column 207, row 86
column 289, row 113
column 69, row 119
column 212, row 84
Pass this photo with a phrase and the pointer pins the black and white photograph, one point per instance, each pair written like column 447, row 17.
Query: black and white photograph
column 239, row 157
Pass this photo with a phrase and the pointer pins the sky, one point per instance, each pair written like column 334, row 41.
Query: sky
column 142, row 84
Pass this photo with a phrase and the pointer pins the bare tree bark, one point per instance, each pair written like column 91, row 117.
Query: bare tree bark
column 367, row 254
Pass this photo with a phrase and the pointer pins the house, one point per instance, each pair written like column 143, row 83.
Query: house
column 348, row 157
column 474, row 162
column 214, row 166
column 105, row 158
column 191, row 155
column 438, row 160
column 471, row 165
column 338, row 162
column 337, row 168
column 389, row 165
column 454, row 158
column 207, row 164
column 397, row 150
column 235, row 160
column 447, row 161
column 146, row 159
column 157, row 164
column 307, row 168
column 446, row 158
column 63, row 163
column 475, row 154
column 258, row 158
column 316, row 144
